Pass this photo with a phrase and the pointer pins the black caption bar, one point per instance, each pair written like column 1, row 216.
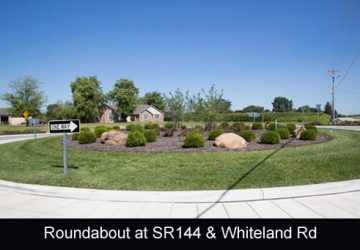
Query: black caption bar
column 145, row 232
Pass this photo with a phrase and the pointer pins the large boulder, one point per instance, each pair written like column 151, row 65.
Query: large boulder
column 230, row 140
column 113, row 138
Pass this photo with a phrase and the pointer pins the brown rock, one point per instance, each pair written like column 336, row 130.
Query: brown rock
column 104, row 137
column 298, row 131
column 230, row 140
column 114, row 138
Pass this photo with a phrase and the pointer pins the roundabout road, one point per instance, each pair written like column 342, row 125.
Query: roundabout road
column 328, row 200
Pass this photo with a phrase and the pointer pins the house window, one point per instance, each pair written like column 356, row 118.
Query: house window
column 157, row 116
column 146, row 116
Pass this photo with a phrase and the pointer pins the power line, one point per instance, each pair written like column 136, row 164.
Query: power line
column 350, row 14
column 349, row 68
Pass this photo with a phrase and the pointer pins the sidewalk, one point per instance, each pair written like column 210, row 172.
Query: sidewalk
column 330, row 200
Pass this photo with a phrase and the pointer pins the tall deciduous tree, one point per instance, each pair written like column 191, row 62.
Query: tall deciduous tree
column 88, row 98
column 206, row 106
column 175, row 105
column 25, row 96
column 60, row 111
column 224, row 106
column 282, row 104
column 155, row 99
column 124, row 95
column 253, row 108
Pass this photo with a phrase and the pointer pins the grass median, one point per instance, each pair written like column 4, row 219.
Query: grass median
column 40, row 162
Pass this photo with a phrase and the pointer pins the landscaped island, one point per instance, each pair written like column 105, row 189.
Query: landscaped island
column 40, row 162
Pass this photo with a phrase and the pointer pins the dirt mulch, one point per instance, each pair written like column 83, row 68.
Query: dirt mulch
column 175, row 143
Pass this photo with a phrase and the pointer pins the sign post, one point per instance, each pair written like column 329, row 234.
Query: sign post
column 65, row 153
column 64, row 127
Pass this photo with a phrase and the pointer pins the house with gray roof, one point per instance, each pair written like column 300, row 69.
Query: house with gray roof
column 146, row 113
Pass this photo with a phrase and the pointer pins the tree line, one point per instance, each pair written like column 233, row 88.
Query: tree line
column 88, row 100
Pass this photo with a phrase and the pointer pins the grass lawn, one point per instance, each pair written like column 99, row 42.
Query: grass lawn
column 41, row 162
column 21, row 129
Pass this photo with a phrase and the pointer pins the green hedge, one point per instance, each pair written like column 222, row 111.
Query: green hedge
column 86, row 137
column 284, row 133
column 248, row 135
column 75, row 136
column 135, row 127
column 291, row 127
column 169, row 125
column 215, row 133
column 99, row 130
column 135, row 138
column 116, row 127
column 194, row 139
column 237, row 126
column 152, row 126
column 257, row 126
column 268, row 116
column 270, row 137
column 308, row 135
column 150, row 135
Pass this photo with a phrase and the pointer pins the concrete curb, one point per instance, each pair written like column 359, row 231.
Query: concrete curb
column 184, row 196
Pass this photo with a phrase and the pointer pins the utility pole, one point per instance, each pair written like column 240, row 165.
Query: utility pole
column 333, row 76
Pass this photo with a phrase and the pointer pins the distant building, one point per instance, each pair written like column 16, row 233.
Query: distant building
column 6, row 118
column 146, row 113
column 108, row 114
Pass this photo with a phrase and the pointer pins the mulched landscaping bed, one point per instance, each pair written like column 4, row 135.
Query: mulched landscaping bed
column 175, row 143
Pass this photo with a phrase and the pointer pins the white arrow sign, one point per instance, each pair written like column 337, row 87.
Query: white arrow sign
column 73, row 126
column 64, row 126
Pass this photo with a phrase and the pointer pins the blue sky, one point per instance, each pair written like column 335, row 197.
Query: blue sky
column 253, row 50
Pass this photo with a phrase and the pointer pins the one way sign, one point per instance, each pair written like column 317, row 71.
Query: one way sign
column 64, row 126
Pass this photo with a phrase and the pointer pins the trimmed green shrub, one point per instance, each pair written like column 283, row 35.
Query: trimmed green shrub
column 291, row 127
column 247, row 127
column 169, row 125
column 135, row 138
column 150, row 135
column 284, row 133
column 237, row 126
column 135, row 127
column 308, row 135
column 85, row 129
column 152, row 126
column 155, row 126
column 270, row 137
column 99, row 130
column 117, row 128
column 215, row 133
column 248, row 135
column 257, row 126
column 75, row 136
column 225, row 125
column 194, row 139
column 182, row 126
column 309, row 127
column 86, row 137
